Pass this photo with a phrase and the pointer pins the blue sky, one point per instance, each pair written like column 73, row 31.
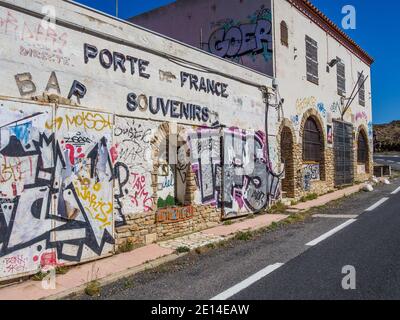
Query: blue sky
column 376, row 32
column 127, row 8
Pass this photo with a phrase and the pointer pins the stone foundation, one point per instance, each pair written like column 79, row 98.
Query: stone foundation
column 143, row 228
column 294, row 185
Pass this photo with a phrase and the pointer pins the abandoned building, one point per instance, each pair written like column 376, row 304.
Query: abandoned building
column 113, row 132
column 324, row 141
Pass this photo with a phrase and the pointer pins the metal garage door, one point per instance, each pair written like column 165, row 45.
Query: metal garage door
column 343, row 149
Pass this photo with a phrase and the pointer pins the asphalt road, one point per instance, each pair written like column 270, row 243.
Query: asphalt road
column 371, row 244
column 392, row 160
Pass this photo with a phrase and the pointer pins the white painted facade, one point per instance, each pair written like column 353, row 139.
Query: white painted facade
column 72, row 170
column 290, row 72
column 130, row 88
column 107, row 89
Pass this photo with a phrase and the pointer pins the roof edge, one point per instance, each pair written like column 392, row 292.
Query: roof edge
column 329, row 26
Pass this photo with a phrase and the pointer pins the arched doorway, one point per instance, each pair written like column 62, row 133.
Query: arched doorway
column 287, row 157
column 313, row 167
column 362, row 152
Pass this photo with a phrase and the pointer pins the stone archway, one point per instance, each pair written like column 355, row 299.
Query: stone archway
column 362, row 167
column 161, row 167
column 174, row 168
column 312, row 113
column 286, row 141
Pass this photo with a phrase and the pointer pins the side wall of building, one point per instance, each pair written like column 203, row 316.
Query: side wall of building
column 321, row 101
column 233, row 29
column 110, row 133
column 302, row 98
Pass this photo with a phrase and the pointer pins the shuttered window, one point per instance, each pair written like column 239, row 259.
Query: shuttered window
column 312, row 144
column 362, row 149
column 361, row 93
column 284, row 34
column 341, row 78
column 312, row 60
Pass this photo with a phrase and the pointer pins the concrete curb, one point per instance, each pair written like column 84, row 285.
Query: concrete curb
column 134, row 270
column 115, row 277
column 315, row 203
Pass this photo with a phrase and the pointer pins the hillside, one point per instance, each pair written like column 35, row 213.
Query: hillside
column 387, row 136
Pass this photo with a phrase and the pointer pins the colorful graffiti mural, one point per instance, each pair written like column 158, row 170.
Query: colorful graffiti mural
column 171, row 215
column 67, row 176
column 244, row 181
column 361, row 116
column 55, row 191
column 132, row 167
column 234, row 39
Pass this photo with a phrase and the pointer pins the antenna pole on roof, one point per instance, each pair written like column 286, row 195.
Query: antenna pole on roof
column 116, row 8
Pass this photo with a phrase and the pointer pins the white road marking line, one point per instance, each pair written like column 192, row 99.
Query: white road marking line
column 247, row 282
column 391, row 161
column 330, row 233
column 396, row 191
column 336, row 216
column 377, row 204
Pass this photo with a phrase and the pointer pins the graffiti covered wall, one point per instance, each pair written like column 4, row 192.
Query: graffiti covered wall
column 55, row 191
column 95, row 162
column 132, row 160
column 240, row 31
column 241, row 181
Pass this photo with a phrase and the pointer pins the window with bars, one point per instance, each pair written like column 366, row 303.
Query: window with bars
column 341, row 78
column 284, row 34
column 312, row 142
column 361, row 86
column 362, row 153
column 312, row 60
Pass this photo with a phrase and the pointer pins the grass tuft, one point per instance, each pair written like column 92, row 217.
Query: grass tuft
column 278, row 208
column 243, row 236
column 40, row 276
column 182, row 249
column 126, row 246
column 128, row 283
column 62, row 269
column 309, row 197
column 93, row 288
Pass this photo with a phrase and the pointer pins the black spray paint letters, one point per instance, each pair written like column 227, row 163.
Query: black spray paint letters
column 167, row 107
column 241, row 40
column 202, row 84
column 116, row 60
column 28, row 88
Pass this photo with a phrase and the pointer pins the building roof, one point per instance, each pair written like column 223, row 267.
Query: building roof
column 329, row 26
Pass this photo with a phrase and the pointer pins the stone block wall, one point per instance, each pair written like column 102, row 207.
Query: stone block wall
column 143, row 228
column 367, row 168
column 295, row 176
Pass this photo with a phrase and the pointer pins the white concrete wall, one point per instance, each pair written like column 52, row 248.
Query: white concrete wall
column 30, row 50
column 68, row 173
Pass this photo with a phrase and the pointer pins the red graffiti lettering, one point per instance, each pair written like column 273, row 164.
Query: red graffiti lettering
column 15, row 264
column 48, row 259
column 141, row 196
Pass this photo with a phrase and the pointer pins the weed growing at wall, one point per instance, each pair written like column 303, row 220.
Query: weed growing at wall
column 126, row 246
column 309, row 197
column 182, row 249
column 244, row 236
column 168, row 202
column 278, row 208
column 93, row 288
column 62, row 269
column 40, row 276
